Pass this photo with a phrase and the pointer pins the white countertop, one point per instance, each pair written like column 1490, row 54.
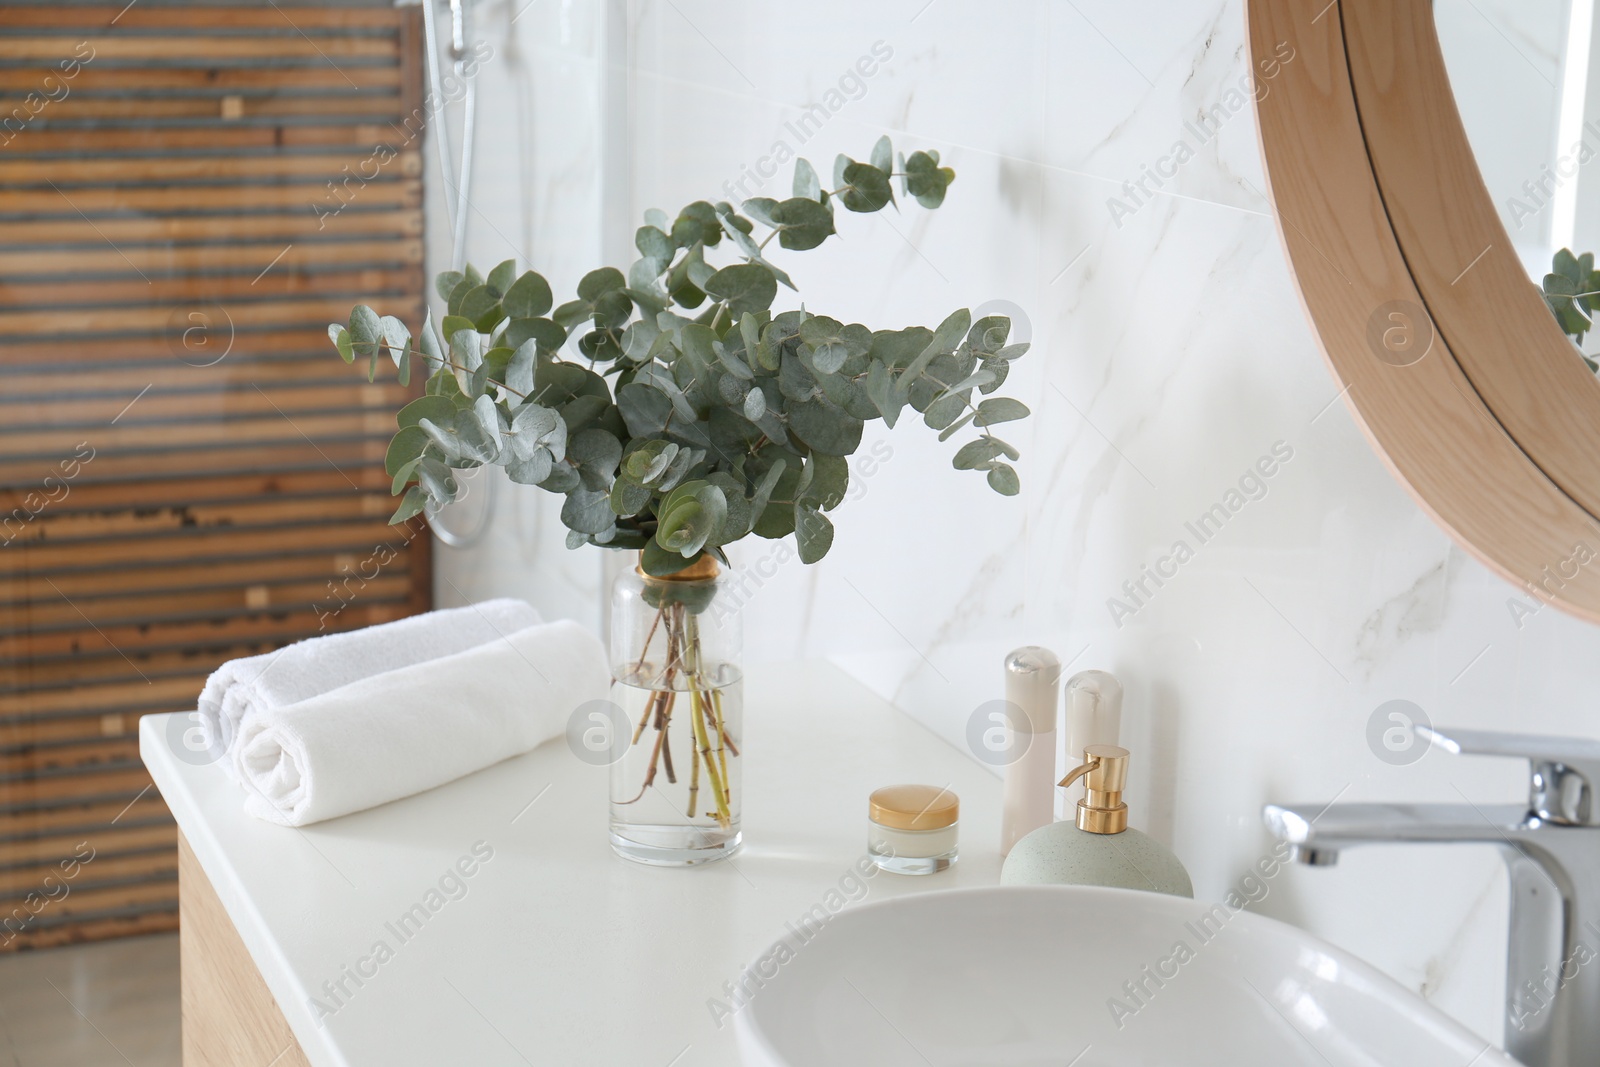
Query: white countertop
column 559, row 952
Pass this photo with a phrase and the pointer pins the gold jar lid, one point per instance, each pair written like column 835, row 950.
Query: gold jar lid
column 914, row 807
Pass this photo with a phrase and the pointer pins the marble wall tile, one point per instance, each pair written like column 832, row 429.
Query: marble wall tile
column 1171, row 356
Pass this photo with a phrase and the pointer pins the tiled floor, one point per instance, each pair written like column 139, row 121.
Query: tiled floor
column 113, row 1002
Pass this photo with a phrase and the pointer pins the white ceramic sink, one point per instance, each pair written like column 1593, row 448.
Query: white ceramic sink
column 1028, row 976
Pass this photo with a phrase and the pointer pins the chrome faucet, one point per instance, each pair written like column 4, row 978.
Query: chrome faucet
column 1551, row 847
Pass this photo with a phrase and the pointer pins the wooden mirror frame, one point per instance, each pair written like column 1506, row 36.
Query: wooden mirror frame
column 1443, row 349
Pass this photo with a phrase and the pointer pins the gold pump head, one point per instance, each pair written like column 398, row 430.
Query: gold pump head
column 1105, row 774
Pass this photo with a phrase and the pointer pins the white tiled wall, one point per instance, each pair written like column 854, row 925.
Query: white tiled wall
column 1170, row 356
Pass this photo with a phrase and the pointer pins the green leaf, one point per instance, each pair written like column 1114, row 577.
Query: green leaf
column 404, row 477
column 341, row 340
column 944, row 341
column 405, row 447
column 950, row 430
column 1003, row 480
column 884, row 395
column 519, row 369
column 628, row 498
column 988, row 334
column 563, row 478
column 883, row 156
column 830, row 480
column 437, row 481
column 597, row 283
column 660, row 563
column 760, row 208
column 467, row 346
column 365, row 330
column 482, row 307
column 445, row 283
column 454, row 324
column 945, row 410
column 500, row 279
column 654, row 244
column 755, row 405
column 397, row 339
column 747, row 288
column 697, row 223
column 411, row 505
column 866, row 188
column 806, row 183
column 825, row 427
column 752, row 251
column 829, row 348
column 572, row 313
column 977, row 455
column 1000, row 409
column 429, row 344
column 802, row 223
column 588, row 511
column 596, row 454
column 452, row 304
column 547, row 333
column 926, row 180
column 529, row 297
column 644, row 408
column 437, row 408
column 764, row 489
column 813, row 533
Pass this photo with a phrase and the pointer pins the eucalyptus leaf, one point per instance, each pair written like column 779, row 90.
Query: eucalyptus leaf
column 830, row 480
column 597, row 283
column 501, row 277
column 926, row 180
column 482, row 307
column 596, row 454
column 1000, row 409
column 866, row 188
column 825, row 427
column 405, row 447
column 529, row 297
column 588, row 511
column 446, row 283
column 437, row 408
column 881, row 388
column 883, row 156
column 806, row 182
column 411, row 505
column 711, row 420
column 813, row 533
column 801, row 223
column 365, row 330
column 746, row 287
column 1003, row 480
column 977, row 455
column 342, row 341
column 653, row 243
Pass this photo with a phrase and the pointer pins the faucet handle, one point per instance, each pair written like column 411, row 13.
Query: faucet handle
column 1563, row 774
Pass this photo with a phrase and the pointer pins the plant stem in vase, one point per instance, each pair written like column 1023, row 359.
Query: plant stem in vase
column 675, row 648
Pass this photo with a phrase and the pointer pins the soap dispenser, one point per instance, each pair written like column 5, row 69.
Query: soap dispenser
column 1098, row 847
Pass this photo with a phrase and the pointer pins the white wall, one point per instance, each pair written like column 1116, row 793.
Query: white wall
column 534, row 198
column 1170, row 354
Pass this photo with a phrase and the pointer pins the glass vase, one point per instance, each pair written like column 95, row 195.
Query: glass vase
column 675, row 646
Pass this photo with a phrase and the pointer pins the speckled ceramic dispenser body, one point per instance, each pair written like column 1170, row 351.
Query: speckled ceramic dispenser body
column 1098, row 847
column 1062, row 854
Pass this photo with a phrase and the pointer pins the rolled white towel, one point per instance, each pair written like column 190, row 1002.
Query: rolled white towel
column 389, row 736
column 319, row 665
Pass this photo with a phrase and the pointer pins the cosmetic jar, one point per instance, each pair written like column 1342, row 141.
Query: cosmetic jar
column 911, row 829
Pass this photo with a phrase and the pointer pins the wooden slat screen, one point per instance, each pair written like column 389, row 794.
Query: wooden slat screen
column 189, row 194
